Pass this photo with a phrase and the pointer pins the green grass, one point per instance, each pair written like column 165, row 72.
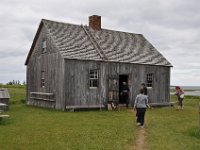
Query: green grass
column 12, row 86
column 36, row 128
column 17, row 93
column 169, row 129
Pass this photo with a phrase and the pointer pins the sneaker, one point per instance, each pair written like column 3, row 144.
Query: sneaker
column 141, row 126
column 138, row 123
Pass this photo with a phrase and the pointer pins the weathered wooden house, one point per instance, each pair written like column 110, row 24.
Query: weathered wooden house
column 79, row 66
column 4, row 99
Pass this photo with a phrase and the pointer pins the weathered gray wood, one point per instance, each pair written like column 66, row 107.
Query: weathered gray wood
column 3, row 116
column 113, row 89
column 78, row 93
column 3, row 107
column 52, row 64
column 42, row 93
column 67, row 80
column 4, row 96
column 4, row 100
column 42, row 99
column 162, row 104
column 82, row 106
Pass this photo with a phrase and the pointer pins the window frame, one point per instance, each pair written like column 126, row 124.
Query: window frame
column 93, row 78
column 149, row 80
column 43, row 79
column 44, row 46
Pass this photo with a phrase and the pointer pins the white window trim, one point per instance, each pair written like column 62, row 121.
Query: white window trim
column 96, row 77
column 44, row 46
column 152, row 79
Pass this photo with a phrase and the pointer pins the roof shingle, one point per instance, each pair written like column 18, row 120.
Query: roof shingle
column 82, row 42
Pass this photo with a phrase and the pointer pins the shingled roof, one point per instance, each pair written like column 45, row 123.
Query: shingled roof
column 82, row 42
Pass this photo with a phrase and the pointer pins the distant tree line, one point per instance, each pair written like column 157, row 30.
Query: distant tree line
column 16, row 82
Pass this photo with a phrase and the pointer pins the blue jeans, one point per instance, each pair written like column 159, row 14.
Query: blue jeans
column 140, row 115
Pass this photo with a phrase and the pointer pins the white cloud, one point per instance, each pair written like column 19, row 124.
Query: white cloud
column 172, row 26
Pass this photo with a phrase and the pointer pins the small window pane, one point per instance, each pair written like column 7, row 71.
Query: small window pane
column 44, row 47
column 42, row 79
column 91, row 76
column 93, row 79
column 95, row 83
column 149, row 80
column 42, row 74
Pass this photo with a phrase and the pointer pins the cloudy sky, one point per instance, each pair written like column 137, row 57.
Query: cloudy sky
column 172, row 26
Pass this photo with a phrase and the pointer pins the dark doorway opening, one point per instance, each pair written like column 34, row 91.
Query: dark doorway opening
column 122, row 78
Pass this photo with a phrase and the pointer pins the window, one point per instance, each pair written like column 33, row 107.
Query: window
column 94, row 78
column 43, row 79
column 44, row 46
column 150, row 80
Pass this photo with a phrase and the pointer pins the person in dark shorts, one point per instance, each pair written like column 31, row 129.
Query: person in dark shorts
column 140, row 105
column 143, row 86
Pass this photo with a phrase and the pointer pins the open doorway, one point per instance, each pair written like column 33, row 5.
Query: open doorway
column 122, row 78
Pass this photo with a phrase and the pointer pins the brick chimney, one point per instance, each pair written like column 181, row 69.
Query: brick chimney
column 95, row 22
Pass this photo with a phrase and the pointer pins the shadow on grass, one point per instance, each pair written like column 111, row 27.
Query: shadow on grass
column 21, row 101
column 5, row 121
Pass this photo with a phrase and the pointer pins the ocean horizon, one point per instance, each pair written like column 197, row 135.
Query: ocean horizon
column 189, row 90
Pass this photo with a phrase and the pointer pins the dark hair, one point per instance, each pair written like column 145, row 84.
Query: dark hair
column 141, row 91
column 143, row 84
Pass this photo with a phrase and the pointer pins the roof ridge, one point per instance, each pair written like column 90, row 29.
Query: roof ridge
column 94, row 42
column 61, row 22
column 116, row 30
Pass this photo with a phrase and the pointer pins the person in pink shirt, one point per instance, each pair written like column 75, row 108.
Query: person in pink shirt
column 180, row 96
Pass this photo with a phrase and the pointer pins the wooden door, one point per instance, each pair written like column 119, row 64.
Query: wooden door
column 113, row 89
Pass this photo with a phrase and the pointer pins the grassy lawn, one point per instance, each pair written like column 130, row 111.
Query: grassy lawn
column 169, row 129
column 36, row 128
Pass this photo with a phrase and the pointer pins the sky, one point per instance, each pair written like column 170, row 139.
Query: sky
column 172, row 26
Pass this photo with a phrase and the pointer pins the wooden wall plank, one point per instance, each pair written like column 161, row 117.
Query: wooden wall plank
column 52, row 64
column 78, row 93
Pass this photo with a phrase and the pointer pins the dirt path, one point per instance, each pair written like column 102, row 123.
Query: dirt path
column 140, row 139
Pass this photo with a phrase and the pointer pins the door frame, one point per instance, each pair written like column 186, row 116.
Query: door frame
column 125, row 79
